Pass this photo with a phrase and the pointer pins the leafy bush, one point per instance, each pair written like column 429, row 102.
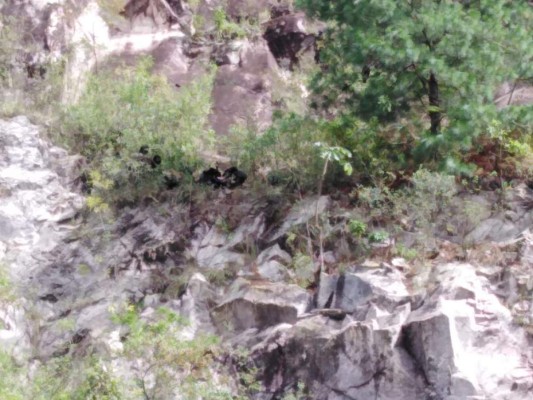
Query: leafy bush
column 430, row 195
column 378, row 236
column 75, row 379
column 125, row 109
column 287, row 154
column 7, row 294
column 224, row 27
column 514, row 155
column 10, row 38
column 357, row 228
column 167, row 363
column 304, row 269
column 424, row 206
column 61, row 378
column 11, row 384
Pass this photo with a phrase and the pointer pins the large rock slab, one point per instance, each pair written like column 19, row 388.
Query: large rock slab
column 506, row 225
column 195, row 305
column 37, row 210
column 242, row 92
column 337, row 361
column 212, row 249
column 301, row 213
column 259, row 305
column 353, row 292
column 272, row 262
column 465, row 341
column 36, row 201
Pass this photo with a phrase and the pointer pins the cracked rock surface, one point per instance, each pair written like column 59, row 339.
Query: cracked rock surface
column 361, row 333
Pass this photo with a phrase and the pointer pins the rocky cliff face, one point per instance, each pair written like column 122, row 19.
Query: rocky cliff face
column 35, row 213
column 368, row 331
column 183, row 40
column 459, row 328
column 255, row 44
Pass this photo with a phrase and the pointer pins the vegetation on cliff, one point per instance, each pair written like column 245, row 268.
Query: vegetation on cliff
column 401, row 109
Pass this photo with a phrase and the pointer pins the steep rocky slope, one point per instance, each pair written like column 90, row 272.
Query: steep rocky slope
column 369, row 331
column 83, row 37
column 457, row 326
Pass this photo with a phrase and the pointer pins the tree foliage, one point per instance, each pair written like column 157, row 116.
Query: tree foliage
column 438, row 58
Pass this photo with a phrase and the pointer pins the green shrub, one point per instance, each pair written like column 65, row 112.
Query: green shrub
column 173, row 364
column 11, row 383
column 430, row 197
column 228, row 29
column 378, row 236
column 284, row 153
column 225, row 28
column 304, row 269
column 127, row 108
column 34, row 97
column 405, row 252
column 70, row 378
column 10, row 45
column 357, row 228
column 7, row 294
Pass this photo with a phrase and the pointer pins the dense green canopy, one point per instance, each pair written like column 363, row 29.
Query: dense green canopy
column 385, row 58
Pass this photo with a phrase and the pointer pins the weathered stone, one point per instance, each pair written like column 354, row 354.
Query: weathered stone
column 271, row 264
column 493, row 229
column 170, row 60
column 454, row 334
column 253, row 304
column 242, row 92
column 37, row 200
column 274, row 253
column 351, row 362
column 273, row 271
column 195, row 306
column 147, row 16
column 350, row 291
column 513, row 94
column 301, row 212
column 212, row 248
column 249, row 230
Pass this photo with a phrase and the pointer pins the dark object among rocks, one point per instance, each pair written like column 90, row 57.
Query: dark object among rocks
column 333, row 313
column 86, row 182
column 144, row 149
column 234, row 177
column 171, row 181
column 154, row 161
column 212, row 177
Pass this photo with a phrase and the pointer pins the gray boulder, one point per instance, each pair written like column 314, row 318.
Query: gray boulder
column 337, row 360
column 301, row 213
column 354, row 292
column 455, row 334
column 257, row 304
column 272, row 262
